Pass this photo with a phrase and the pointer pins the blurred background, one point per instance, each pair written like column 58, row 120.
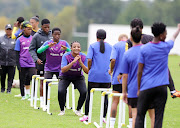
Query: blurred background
column 74, row 16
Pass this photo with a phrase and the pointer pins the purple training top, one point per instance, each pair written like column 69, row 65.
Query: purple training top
column 22, row 45
column 54, row 56
column 76, row 69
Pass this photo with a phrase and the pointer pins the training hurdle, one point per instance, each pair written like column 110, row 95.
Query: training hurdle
column 36, row 89
column 122, row 105
column 49, row 94
column 91, row 103
column 32, row 89
column 44, row 90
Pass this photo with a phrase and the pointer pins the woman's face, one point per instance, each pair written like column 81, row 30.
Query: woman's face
column 76, row 48
column 34, row 23
column 27, row 31
column 56, row 35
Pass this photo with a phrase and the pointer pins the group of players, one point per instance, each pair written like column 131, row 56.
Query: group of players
column 140, row 73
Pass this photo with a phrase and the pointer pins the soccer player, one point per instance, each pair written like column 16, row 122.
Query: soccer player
column 34, row 22
column 16, row 29
column 145, row 39
column 71, row 71
column 55, row 49
column 7, row 58
column 153, row 74
column 129, row 69
column 116, row 60
column 98, row 65
column 38, row 40
column 24, row 60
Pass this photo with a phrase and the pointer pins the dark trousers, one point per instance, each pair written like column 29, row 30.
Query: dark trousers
column 25, row 76
column 97, row 85
column 157, row 97
column 10, row 70
column 79, row 83
column 49, row 75
column 171, row 83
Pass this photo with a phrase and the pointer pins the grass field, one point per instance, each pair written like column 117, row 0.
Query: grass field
column 15, row 113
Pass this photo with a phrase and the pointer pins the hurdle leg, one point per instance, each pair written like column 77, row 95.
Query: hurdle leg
column 109, row 111
column 90, row 107
column 32, row 90
column 35, row 98
column 145, row 122
column 48, row 101
column 82, row 110
column 123, row 112
column 120, row 112
column 67, row 99
column 44, row 95
column 102, row 109
column 73, row 98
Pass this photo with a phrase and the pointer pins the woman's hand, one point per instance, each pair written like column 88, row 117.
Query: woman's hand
column 52, row 44
column 63, row 47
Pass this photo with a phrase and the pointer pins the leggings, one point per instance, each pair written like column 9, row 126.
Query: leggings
column 79, row 83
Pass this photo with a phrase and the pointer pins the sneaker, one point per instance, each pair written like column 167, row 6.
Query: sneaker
column 23, row 98
column 27, row 96
column 8, row 92
column 78, row 113
column 176, row 94
column 84, row 118
column 104, row 120
column 19, row 95
column 61, row 113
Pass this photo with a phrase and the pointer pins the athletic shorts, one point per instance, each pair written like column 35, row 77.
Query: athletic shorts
column 99, row 85
column 26, row 74
column 132, row 102
column 117, row 87
column 40, row 69
column 49, row 75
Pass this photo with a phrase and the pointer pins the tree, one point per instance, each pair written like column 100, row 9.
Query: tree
column 65, row 21
column 96, row 11
column 135, row 9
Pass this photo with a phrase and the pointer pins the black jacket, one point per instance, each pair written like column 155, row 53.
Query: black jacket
column 37, row 41
column 7, row 52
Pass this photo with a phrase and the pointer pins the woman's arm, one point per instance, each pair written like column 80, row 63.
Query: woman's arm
column 85, row 69
column 139, row 75
column 67, row 67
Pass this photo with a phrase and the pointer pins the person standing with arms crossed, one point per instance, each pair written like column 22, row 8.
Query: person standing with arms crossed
column 7, row 58
column 38, row 40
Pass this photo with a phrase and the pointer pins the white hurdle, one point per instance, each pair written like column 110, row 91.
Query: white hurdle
column 44, row 91
column 36, row 89
column 91, row 103
column 121, row 120
column 49, row 94
column 32, row 89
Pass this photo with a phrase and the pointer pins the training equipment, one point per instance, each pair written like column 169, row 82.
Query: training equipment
column 121, row 120
column 102, row 105
column 15, row 84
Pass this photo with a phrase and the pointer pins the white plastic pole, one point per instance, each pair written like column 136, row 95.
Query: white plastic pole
column 120, row 112
column 73, row 98
column 67, row 99
column 102, row 108
column 32, row 89
column 109, row 111
column 90, row 106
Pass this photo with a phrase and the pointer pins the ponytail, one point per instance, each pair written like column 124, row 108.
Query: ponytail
column 102, row 46
column 101, row 34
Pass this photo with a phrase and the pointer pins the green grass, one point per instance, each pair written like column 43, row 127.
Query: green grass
column 15, row 113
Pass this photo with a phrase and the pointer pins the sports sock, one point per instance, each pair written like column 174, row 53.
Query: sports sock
column 112, row 121
column 130, row 122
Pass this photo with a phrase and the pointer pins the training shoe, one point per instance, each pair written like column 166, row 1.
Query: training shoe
column 78, row 113
column 104, row 120
column 27, row 96
column 61, row 113
column 23, row 98
column 176, row 94
column 84, row 118
column 19, row 95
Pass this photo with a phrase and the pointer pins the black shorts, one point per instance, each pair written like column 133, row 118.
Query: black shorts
column 26, row 74
column 49, row 75
column 117, row 87
column 99, row 85
column 40, row 69
column 132, row 102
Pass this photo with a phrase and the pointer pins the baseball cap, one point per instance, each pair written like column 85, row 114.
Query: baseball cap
column 8, row 26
